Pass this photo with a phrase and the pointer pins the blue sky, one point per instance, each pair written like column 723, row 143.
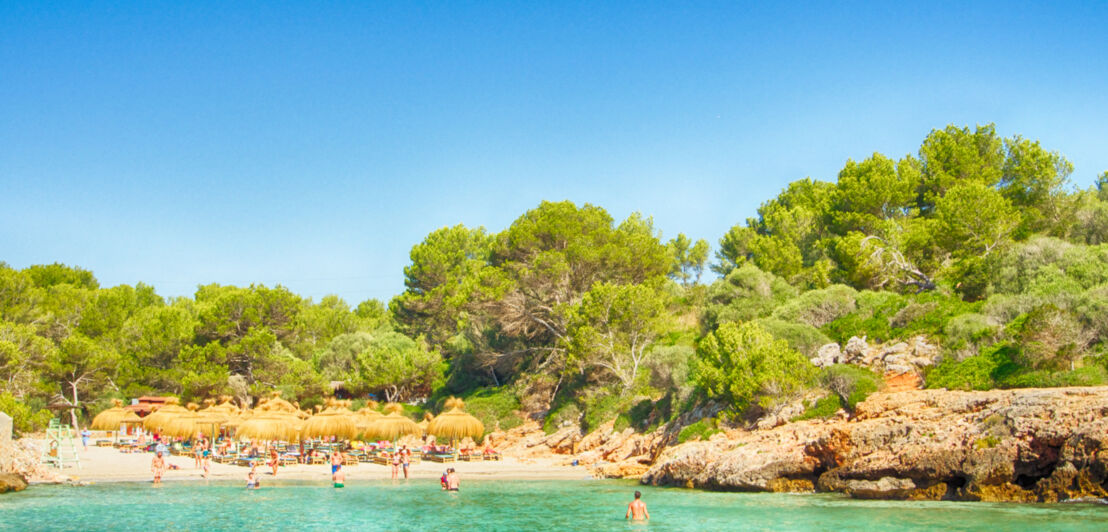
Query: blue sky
column 312, row 144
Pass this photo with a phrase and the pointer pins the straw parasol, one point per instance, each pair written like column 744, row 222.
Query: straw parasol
column 110, row 418
column 190, row 424
column 427, row 417
column 158, row 419
column 365, row 417
column 393, row 426
column 268, row 426
column 276, row 404
column 456, row 424
column 335, row 420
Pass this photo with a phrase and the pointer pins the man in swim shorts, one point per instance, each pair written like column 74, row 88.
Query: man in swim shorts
column 637, row 509
column 336, row 461
column 339, row 478
column 157, row 467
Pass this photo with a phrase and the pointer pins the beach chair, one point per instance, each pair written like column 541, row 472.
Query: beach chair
column 349, row 460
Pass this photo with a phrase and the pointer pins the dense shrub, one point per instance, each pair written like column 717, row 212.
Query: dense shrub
column 669, row 367
column 823, row 408
column 563, row 414
column 701, row 430
column 744, row 365
column 746, row 293
column 852, row 384
column 1051, row 338
column 964, row 335
column 819, row 307
column 800, row 336
column 25, row 418
column 495, row 407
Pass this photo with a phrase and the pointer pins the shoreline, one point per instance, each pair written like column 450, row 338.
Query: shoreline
column 106, row 464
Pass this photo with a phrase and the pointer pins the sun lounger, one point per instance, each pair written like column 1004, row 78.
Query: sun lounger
column 440, row 458
column 287, row 460
column 319, row 459
column 492, row 456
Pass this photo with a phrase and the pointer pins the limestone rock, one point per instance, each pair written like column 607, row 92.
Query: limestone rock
column 12, row 482
column 827, row 355
column 1032, row 444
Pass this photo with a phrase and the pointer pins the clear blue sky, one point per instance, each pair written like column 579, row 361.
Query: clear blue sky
column 312, row 144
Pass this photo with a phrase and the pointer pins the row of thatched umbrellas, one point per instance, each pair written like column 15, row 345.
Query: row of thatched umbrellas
column 276, row 419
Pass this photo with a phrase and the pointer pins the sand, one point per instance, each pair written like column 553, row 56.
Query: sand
column 107, row 464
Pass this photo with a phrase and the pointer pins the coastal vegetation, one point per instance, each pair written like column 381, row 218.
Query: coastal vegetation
column 980, row 244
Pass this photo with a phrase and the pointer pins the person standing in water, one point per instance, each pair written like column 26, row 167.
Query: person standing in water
column 405, row 459
column 637, row 509
column 452, row 480
column 157, row 467
column 336, row 461
column 339, row 478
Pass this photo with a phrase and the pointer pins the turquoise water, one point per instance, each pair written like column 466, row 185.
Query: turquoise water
column 499, row 505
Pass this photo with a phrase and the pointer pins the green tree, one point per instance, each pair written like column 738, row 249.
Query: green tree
column 1033, row 181
column 743, row 365
column 442, row 281
column 399, row 367
column 956, row 155
column 688, row 259
column 973, row 220
column 80, row 367
column 614, row 327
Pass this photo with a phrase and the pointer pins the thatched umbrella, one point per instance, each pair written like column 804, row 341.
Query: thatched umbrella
column 335, row 421
column 365, row 417
column 427, row 417
column 157, row 420
column 187, row 425
column 130, row 418
column 110, row 418
column 456, row 424
column 268, row 426
column 393, row 426
column 276, row 404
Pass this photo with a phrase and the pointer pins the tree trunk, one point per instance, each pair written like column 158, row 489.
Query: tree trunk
column 73, row 408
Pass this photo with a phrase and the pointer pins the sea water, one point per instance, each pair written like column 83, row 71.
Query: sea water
column 488, row 505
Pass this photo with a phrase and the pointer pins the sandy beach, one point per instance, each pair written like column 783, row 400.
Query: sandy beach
column 107, row 464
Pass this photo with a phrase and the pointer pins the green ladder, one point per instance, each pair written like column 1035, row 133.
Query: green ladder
column 61, row 447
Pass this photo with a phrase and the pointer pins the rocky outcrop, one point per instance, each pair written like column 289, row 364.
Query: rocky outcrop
column 608, row 453
column 1003, row 445
column 892, row 358
column 12, row 482
column 23, row 458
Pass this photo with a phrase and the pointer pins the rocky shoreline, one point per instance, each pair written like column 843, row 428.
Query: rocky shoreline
column 1025, row 445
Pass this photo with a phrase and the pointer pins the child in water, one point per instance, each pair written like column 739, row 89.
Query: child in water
column 252, row 481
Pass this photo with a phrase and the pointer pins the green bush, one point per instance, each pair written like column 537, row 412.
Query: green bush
column 744, row 365
column 25, row 418
column 567, row 412
column 822, row 409
column 800, row 336
column 701, row 430
column 979, row 372
column 745, row 294
column 819, row 307
column 495, row 407
column 1051, row 338
column 968, row 332
column 851, row 384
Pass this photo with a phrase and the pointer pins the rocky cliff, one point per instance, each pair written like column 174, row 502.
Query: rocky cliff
column 1002, row 445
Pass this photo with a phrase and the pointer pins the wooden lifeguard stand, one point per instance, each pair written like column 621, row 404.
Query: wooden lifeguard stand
column 61, row 449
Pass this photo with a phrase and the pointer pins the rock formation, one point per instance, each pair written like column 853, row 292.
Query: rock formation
column 1002, row 445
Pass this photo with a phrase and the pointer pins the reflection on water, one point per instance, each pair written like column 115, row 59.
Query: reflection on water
column 500, row 505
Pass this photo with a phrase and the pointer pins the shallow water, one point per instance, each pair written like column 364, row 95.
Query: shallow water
column 499, row 505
